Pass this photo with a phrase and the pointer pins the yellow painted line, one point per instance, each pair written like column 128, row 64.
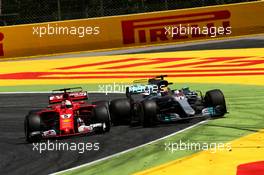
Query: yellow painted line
column 244, row 150
column 240, row 66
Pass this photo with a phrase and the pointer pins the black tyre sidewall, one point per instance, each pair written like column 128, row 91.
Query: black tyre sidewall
column 101, row 115
column 32, row 123
column 215, row 98
column 120, row 111
column 148, row 113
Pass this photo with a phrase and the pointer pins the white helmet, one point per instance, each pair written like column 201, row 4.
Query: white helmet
column 68, row 104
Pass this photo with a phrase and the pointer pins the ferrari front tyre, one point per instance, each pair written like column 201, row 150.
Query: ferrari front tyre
column 120, row 111
column 148, row 113
column 32, row 127
column 101, row 115
column 215, row 98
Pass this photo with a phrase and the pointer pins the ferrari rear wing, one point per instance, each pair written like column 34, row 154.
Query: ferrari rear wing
column 74, row 94
column 64, row 90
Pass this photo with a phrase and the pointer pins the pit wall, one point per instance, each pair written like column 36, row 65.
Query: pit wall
column 129, row 30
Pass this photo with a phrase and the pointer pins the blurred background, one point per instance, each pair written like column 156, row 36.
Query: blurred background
column 13, row 12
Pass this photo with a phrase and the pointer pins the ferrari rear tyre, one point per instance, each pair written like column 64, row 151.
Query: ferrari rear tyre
column 101, row 103
column 120, row 111
column 101, row 115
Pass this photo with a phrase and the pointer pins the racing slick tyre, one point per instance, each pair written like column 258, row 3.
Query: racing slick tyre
column 148, row 113
column 101, row 115
column 120, row 111
column 101, row 103
column 32, row 127
column 215, row 98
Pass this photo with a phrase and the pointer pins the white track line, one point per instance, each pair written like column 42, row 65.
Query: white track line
column 128, row 150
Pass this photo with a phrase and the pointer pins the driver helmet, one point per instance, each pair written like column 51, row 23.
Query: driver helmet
column 68, row 104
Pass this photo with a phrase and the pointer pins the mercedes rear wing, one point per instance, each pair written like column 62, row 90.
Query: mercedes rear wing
column 147, row 86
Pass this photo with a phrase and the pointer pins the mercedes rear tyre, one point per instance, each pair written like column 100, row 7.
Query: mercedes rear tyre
column 148, row 113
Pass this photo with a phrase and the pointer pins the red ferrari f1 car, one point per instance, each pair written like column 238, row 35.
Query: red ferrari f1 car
column 68, row 114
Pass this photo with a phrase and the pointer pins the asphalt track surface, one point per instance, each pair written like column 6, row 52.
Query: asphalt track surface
column 18, row 157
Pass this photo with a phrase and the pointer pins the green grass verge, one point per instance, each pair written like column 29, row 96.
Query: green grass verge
column 245, row 104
